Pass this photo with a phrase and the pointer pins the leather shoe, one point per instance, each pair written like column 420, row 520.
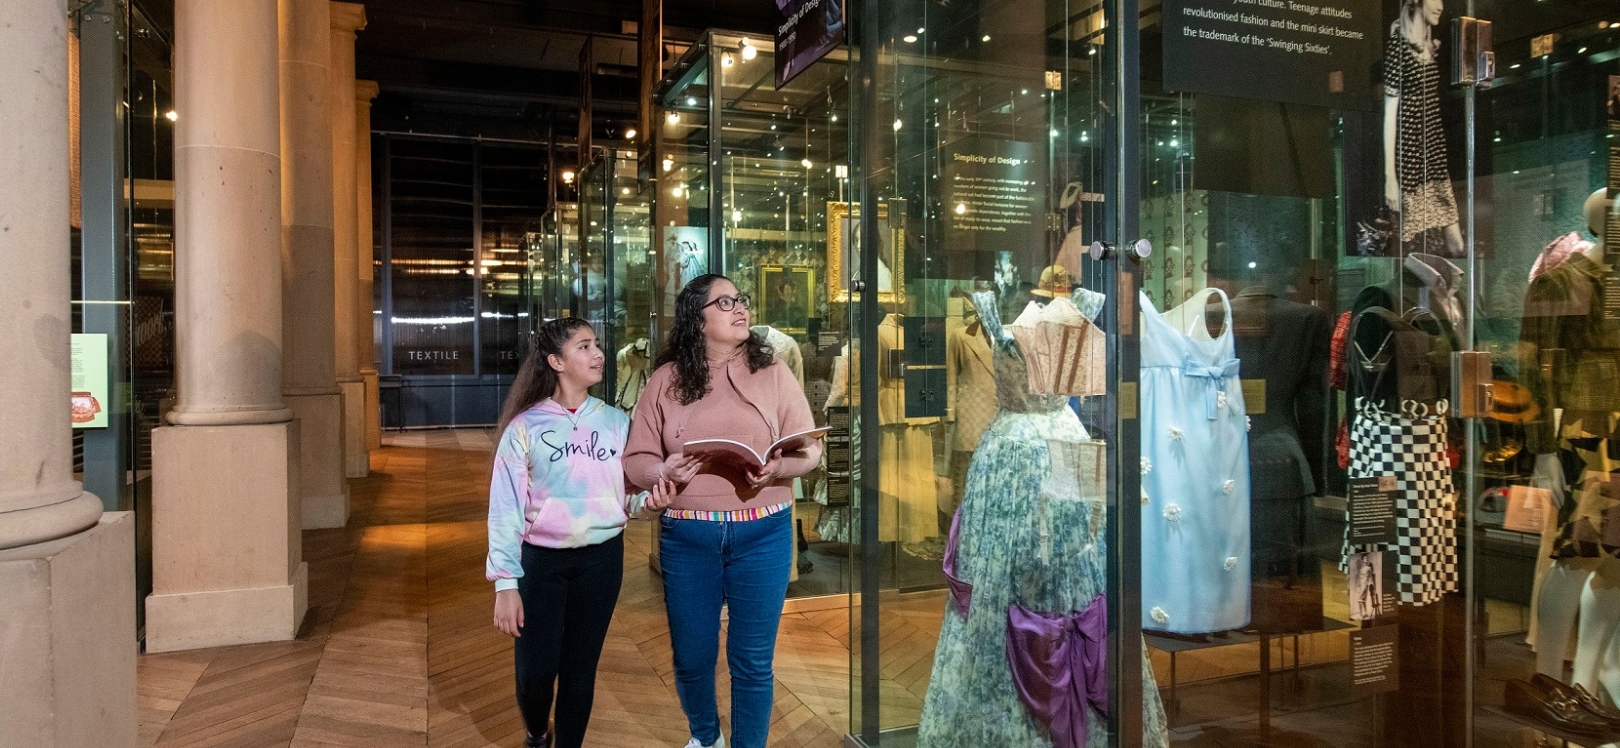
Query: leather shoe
column 543, row 741
column 1580, row 696
column 1527, row 700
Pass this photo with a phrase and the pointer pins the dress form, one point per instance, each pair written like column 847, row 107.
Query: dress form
column 1594, row 621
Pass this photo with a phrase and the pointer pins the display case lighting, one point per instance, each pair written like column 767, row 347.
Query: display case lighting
column 985, row 39
column 736, row 216
column 669, row 163
column 748, row 51
column 630, row 134
column 909, row 38
column 673, row 118
column 726, row 60
column 806, row 163
column 172, row 116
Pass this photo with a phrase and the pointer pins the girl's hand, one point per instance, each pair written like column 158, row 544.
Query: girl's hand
column 663, row 494
column 765, row 474
column 680, row 468
column 509, row 613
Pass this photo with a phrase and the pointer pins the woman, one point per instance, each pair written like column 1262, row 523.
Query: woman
column 557, row 510
column 1417, row 178
column 727, row 538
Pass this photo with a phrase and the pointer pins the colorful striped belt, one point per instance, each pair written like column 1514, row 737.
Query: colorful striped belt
column 737, row 515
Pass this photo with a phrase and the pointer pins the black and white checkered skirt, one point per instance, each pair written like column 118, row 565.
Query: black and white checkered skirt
column 1412, row 448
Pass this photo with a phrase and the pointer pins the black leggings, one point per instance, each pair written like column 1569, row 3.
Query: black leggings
column 568, row 598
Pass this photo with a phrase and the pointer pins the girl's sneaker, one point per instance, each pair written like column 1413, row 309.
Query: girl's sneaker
column 719, row 742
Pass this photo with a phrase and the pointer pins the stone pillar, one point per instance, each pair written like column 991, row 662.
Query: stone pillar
column 227, row 555
column 308, row 360
column 365, row 323
column 347, row 18
column 67, row 630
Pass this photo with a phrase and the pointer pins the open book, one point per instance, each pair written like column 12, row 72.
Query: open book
column 744, row 453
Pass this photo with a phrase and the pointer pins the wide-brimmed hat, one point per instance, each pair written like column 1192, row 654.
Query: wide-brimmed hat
column 1512, row 402
column 1055, row 281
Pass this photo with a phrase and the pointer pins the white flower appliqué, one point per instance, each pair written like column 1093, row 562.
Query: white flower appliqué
column 1176, row 433
column 1220, row 399
column 1173, row 512
column 1248, row 423
column 1159, row 616
column 1231, row 563
column 1228, row 486
column 1147, row 466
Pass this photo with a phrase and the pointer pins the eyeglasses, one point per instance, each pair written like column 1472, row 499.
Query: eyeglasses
column 728, row 303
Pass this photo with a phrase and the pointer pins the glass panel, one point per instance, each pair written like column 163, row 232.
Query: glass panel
column 985, row 174
column 629, row 345
column 1542, row 563
column 779, row 156
column 432, row 194
column 512, row 185
column 589, row 276
column 682, row 234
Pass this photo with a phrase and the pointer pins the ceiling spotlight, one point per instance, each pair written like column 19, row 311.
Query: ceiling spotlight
column 736, row 216
column 172, row 116
column 673, row 118
column 835, row 118
column 986, row 38
column 669, row 163
column 691, row 101
column 920, row 29
column 961, row 209
column 676, row 191
column 897, row 125
column 909, row 38
column 568, row 176
column 625, row 191
column 630, row 134
column 726, row 60
column 806, row 163
column 748, row 51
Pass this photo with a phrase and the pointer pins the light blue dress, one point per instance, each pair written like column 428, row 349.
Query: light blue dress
column 1195, row 473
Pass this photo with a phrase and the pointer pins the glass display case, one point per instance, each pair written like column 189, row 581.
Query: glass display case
column 753, row 182
column 1289, row 329
column 613, row 281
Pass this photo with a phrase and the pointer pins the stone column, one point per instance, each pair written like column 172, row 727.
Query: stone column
column 227, row 565
column 67, row 630
column 308, row 360
column 364, row 321
column 347, row 18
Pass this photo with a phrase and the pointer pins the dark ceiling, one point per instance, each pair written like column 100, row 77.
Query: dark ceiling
column 510, row 68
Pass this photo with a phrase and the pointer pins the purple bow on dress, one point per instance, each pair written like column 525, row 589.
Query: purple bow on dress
column 1058, row 663
column 961, row 591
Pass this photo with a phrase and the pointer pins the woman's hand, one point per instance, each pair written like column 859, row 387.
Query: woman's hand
column 509, row 613
column 680, row 468
column 766, row 474
column 663, row 494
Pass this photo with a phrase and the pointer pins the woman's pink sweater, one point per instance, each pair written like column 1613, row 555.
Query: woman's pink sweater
column 755, row 408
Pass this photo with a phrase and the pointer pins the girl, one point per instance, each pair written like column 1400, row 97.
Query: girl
column 557, row 511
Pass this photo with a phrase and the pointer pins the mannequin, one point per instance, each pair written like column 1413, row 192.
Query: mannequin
column 906, row 469
column 633, row 361
column 1593, row 621
column 971, row 391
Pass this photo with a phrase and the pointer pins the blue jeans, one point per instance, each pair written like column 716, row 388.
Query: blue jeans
column 743, row 566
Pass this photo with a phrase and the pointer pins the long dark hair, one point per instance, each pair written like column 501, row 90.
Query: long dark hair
column 536, row 380
column 688, row 351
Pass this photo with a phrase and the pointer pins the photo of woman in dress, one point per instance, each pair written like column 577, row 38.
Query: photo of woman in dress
column 1417, row 176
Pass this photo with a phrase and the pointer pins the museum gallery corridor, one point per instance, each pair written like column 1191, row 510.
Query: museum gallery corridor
column 398, row 649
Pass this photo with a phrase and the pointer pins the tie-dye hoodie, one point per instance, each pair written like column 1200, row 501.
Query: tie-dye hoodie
column 558, row 483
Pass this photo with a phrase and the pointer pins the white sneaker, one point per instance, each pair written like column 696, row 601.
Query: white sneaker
column 719, row 742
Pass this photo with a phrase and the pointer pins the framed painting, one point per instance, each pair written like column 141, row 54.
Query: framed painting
column 842, row 228
column 785, row 297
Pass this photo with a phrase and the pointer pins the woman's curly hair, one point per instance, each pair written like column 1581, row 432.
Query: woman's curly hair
column 687, row 350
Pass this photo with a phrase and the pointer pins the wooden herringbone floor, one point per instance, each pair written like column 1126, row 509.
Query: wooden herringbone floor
column 398, row 649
